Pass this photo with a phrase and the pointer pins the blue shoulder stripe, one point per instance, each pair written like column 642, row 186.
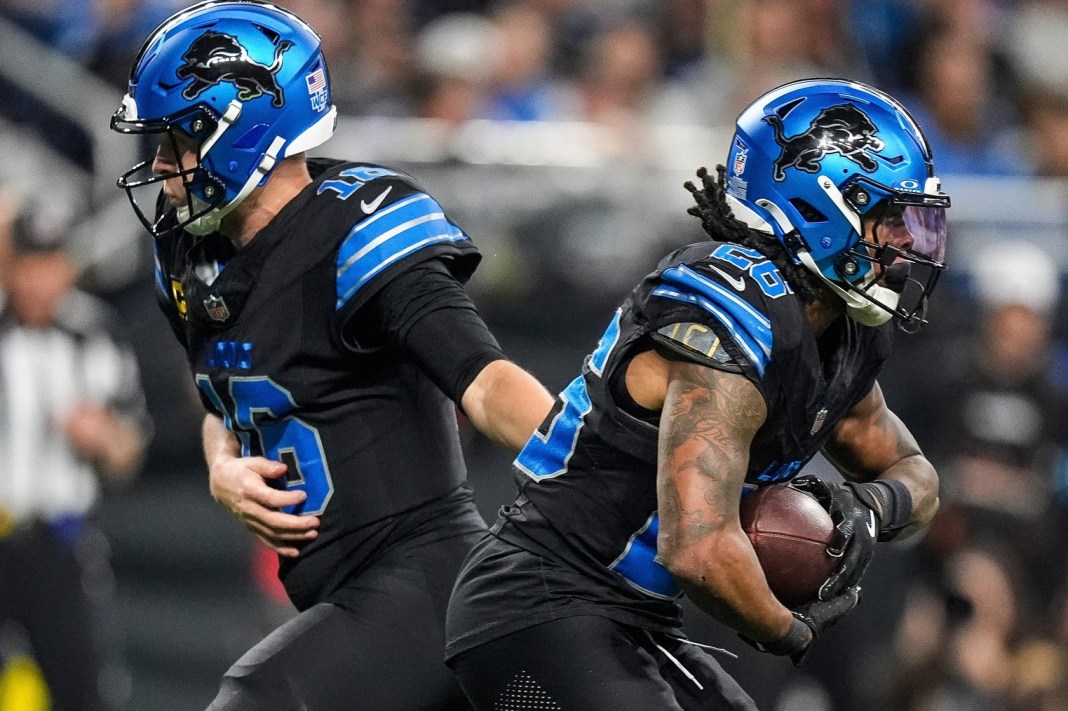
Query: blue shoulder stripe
column 748, row 328
column 388, row 236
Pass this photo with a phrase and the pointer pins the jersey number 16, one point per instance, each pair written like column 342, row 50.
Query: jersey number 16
column 258, row 413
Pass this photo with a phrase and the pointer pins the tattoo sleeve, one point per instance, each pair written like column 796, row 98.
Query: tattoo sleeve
column 708, row 423
column 707, row 427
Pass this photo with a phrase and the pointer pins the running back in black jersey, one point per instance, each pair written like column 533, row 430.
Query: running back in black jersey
column 587, row 478
column 274, row 335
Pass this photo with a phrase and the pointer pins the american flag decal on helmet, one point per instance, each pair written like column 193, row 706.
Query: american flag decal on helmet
column 316, row 81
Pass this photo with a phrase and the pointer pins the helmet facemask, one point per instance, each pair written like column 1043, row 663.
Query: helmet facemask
column 196, row 131
column 900, row 254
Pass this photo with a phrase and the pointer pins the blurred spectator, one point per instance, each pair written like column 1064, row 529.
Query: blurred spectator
column 117, row 29
column 1037, row 47
column 457, row 53
column 991, row 419
column 999, row 423
column 621, row 89
column 683, row 34
column 887, row 28
column 73, row 419
column 521, row 87
column 369, row 48
column 972, row 129
column 760, row 44
column 59, row 23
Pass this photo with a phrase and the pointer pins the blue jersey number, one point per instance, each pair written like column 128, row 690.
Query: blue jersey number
column 642, row 568
column 763, row 271
column 261, row 407
column 357, row 177
column 546, row 455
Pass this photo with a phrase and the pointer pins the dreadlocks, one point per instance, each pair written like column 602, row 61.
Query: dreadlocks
column 721, row 225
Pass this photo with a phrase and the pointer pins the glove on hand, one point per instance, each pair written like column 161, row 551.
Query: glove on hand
column 810, row 620
column 857, row 526
column 820, row 615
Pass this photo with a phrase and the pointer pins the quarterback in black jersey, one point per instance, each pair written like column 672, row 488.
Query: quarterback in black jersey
column 727, row 368
column 322, row 308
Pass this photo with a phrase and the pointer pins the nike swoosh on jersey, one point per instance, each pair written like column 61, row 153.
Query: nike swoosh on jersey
column 737, row 282
column 871, row 524
column 369, row 207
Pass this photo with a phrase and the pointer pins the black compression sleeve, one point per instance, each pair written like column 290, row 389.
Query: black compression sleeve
column 426, row 312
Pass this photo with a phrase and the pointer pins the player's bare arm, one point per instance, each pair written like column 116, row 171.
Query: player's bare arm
column 240, row 484
column 506, row 403
column 708, row 421
column 872, row 443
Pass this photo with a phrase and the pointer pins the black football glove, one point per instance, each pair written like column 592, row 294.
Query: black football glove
column 821, row 614
column 856, row 523
column 810, row 620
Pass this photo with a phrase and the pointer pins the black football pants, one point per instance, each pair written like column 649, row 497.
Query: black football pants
column 383, row 651
column 589, row 663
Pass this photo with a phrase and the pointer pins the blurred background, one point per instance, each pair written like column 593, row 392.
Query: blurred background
column 559, row 134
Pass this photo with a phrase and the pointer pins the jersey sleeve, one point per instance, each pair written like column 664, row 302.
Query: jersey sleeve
column 698, row 343
column 405, row 227
column 426, row 313
column 723, row 303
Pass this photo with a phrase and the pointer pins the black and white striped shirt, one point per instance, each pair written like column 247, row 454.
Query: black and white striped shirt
column 44, row 374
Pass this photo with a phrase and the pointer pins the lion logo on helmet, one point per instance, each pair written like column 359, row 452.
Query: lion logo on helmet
column 215, row 57
column 842, row 129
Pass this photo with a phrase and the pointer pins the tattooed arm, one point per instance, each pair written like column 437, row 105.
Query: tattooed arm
column 708, row 422
column 870, row 443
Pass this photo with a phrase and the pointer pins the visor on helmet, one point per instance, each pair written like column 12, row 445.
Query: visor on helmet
column 906, row 251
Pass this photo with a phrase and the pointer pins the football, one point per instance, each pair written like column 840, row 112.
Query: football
column 789, row 530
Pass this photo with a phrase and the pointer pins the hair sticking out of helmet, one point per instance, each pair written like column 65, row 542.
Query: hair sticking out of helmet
column 240, row 85
column 842, row 176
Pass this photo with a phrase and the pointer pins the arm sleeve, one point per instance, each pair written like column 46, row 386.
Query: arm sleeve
column 426, row 312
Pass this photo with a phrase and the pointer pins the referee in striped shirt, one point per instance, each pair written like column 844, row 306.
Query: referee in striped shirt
column 72, row 422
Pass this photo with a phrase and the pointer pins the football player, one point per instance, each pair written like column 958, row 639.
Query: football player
column 727, row 368
column 322, row 307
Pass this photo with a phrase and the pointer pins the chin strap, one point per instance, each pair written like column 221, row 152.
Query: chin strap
column 860, row 309
column 210, row 222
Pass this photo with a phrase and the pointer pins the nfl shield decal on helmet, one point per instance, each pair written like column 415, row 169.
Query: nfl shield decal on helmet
column 741, row 153
column 216, row 308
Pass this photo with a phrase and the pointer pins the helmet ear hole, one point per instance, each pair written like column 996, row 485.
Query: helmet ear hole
column 251, row 137
column 807, row 211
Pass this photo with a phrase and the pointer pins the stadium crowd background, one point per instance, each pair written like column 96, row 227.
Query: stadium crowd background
column 559, row 133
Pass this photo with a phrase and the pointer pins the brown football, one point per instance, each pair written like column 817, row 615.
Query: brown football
column 789, row 530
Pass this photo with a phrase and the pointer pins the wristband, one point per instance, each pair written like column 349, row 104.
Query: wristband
column 796, row 640
column 895, row 501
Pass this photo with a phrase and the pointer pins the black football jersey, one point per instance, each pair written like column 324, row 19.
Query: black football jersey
column 587, row 478
column 271, row 334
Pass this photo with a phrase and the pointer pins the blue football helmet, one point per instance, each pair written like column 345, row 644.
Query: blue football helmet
column 244, row 82
column 813, row 161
